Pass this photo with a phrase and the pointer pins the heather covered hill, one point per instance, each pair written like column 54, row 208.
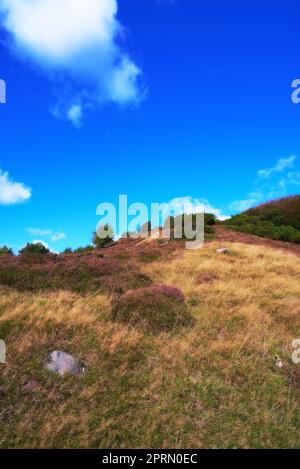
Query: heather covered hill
column 188, row 359
column 288, row 209
column 278, row 220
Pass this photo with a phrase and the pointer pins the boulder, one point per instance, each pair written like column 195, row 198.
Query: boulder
column 223, row 251
column 62, row 363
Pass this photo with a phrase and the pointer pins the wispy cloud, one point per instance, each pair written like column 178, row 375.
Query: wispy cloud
column 244, row 204
column 50, row 234
column 79, row 39
column 279, row 167
column 272, row 183
column 57, row 236
column 39, row 232
column 75, row 114
column 12, row 192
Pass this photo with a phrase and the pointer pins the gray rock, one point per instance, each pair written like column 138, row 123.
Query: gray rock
column 62, row 363
column 223, row 251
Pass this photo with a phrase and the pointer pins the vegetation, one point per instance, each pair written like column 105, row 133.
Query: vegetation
column 278, row 220
column 5, row 250
column 34, row 248
column 103, row 236
column 68, row 251
column 80, row 273
column 209, row 221
column 215, row 384
column 155, row 309
column 84, row 249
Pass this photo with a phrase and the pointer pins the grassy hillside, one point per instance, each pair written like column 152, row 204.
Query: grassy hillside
column 278, row 220
column 209, row 382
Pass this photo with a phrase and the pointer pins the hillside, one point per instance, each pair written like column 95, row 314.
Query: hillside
column 199, row 371
column 278, row 220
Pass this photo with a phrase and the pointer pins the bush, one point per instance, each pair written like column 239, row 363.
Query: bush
column 68, row 251
column 210, row 219
column 34, row 248
column 79, row 273
column 284, row 211
column 265, row 229
column 154, row 309
column 84, row 249
column 5, row 250
column 98, row 240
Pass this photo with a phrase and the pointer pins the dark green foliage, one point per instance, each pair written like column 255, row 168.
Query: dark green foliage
column 209, row 221
column 104, row 236
column 68, row 251
column 278, row 220
column 34, row 248
column 5, row 250
column 284, row 211
column 84, row 249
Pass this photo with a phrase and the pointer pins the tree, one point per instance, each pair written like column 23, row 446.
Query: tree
column 103, row 236
column 6, row 250
column 34, row 248
column 68, row 251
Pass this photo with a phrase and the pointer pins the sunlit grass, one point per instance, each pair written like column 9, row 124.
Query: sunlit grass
column 215, row 384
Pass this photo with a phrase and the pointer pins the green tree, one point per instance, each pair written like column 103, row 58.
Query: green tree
column 68, row 251
column 6, row 250
column 34, row 248
column 103, row 236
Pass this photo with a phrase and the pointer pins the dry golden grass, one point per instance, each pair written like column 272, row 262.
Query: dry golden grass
column 215, row 384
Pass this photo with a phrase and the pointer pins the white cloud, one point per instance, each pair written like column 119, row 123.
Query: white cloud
column 279, row 167
column 122, row 86
column 242, row 205
column 58, row 236
column 74, row 114
column 39, row 232
column 273, row 183
column 12, row 192
column 181, row 205
column 52, row 235
column 79, row 38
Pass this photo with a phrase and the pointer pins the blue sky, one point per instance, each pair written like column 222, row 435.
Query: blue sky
column 157, row 99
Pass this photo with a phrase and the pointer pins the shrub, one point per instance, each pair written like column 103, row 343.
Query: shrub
column 5, row 250
column 155, row 309
column 285, row 211
column 103, row 236
column 81, row 273
column 84, row 249
column 278, row 220
column 210, row 219
column 68, row 251
column 34, row 248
